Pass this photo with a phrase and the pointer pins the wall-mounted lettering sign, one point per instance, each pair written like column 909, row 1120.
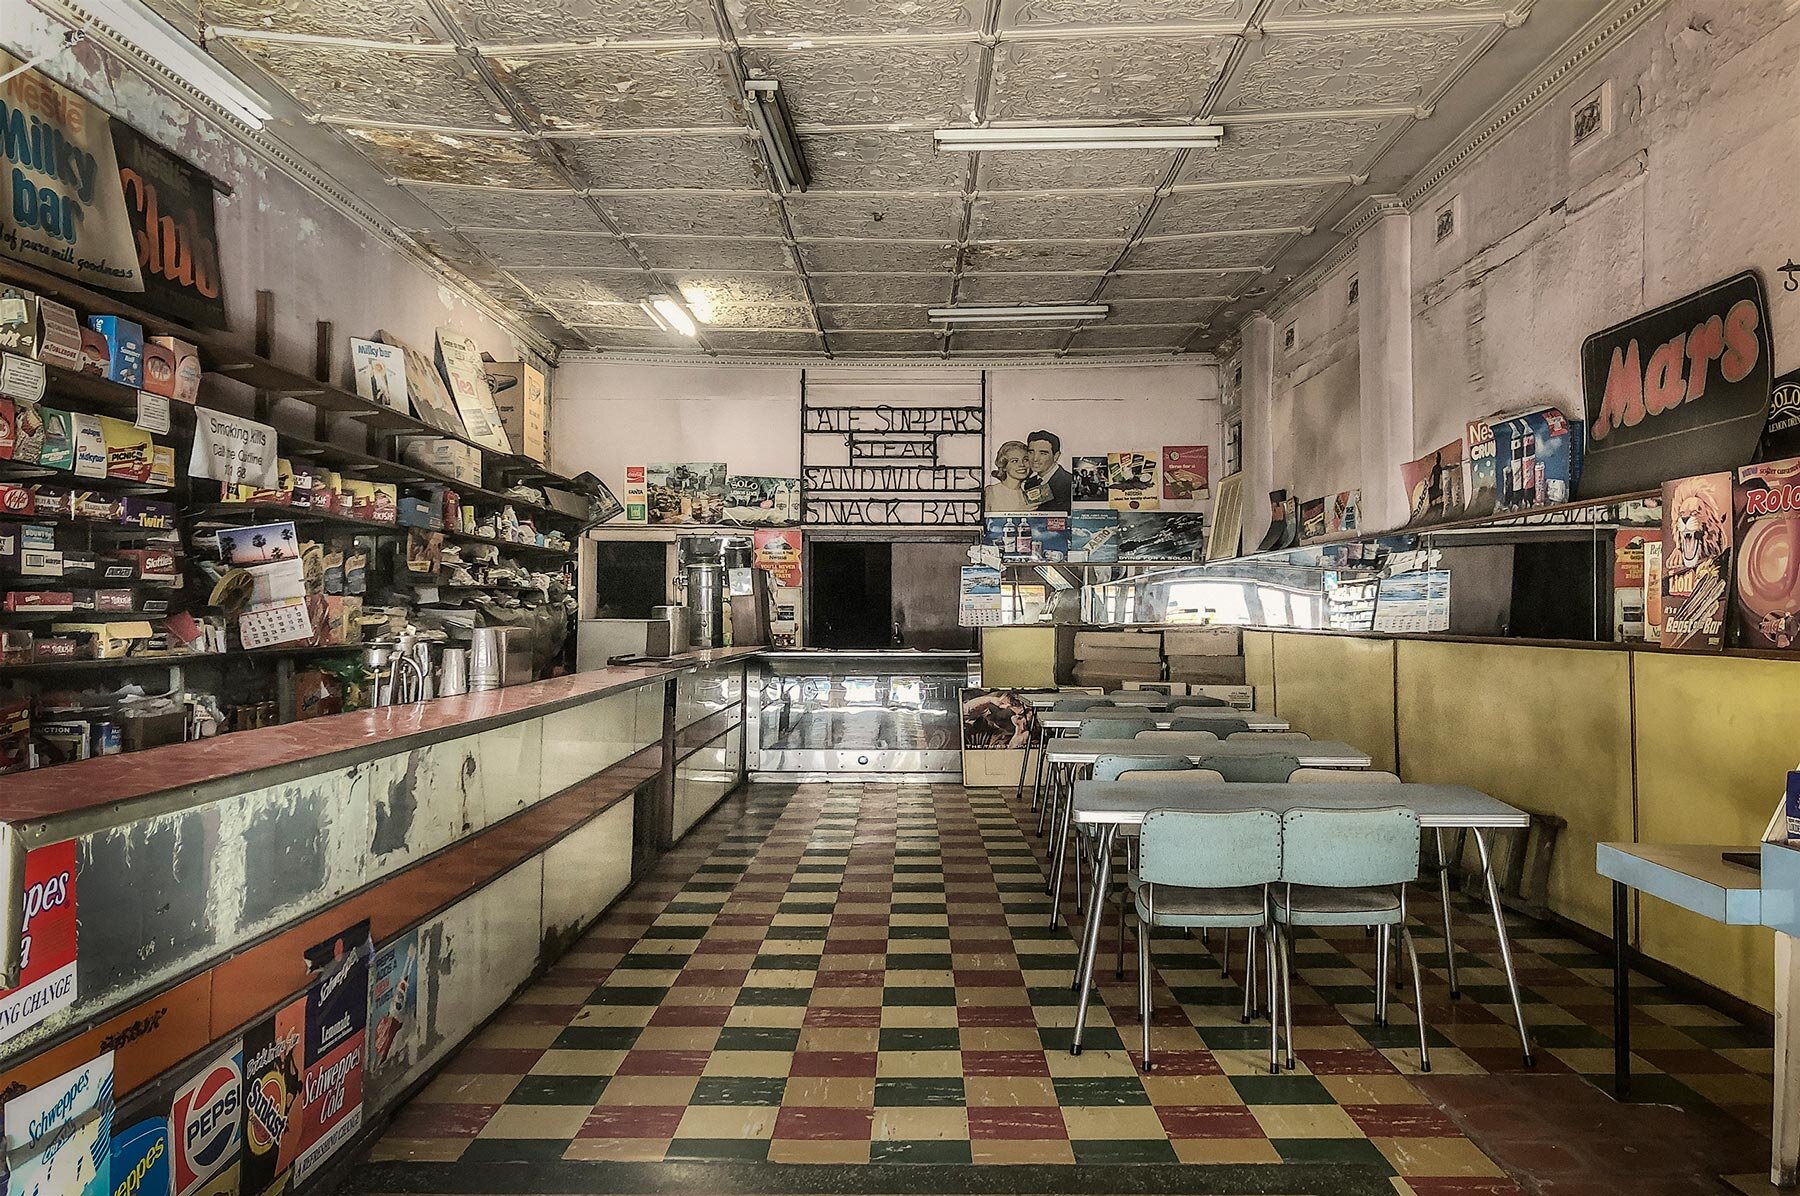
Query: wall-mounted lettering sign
column 170, row 207
column 1677, row 391
column 889, row 462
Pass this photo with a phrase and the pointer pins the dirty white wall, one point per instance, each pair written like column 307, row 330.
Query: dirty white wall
column 274, row 233
column 609, row 415
column 1694, row 182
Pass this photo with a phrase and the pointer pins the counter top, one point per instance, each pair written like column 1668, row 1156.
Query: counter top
column 183, row 768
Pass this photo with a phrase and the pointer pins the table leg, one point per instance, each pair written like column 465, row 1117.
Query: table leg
column 1506, row 959
column 1621, row 917
column 1444, row 896
column 1090, row 934
column 1024, row 764
column 1059, row 827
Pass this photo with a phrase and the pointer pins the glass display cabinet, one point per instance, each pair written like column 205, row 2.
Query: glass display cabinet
column 884, row 713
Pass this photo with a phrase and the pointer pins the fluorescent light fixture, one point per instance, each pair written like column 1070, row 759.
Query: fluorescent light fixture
column 1045, row 313
column 670, row 316
column 768, row 114
column 1073, row 137
column 166, row 45
column 698, row 303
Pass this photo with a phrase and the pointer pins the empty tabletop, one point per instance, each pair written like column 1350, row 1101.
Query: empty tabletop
column 1312, row 753
column 1125, row 803
column 1693, row 876
column 1255, row 720
column 1044, row 701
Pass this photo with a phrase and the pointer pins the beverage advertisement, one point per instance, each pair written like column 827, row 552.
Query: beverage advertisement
column 271, row 1105
column 140, row 1158
column 1781, row 434
column 1433, row 484
column 47, row 967
column 770, row 502
column 1146, row 536
column 1696, row 561
column 1094, row 537
column 337, row 1021
column 1766, row 504
column 59, row 1134
column 394, row 1010
column 1029, row 539
column 206, row 1127
column 777, row 553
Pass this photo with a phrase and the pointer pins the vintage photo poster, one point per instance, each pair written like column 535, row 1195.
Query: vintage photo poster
column 1434, row 484
column 64, row 209
column 1049, row 487
column 1767, row 535
column 978, row 597
column 996, row 720
column 1094, row 537
column 1089, row 481
column 337, row 1018
column 459, row 362
column 1224, row 537
column 274, row 1062
column 1696, row 561
column 1132, row 481
column 1028, row 539
column 1161, row 536
column 380, row 374
column 431, row 403
column 688, row 493
column 754, row 500
column 1184, row 477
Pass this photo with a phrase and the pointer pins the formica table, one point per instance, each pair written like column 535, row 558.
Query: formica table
column 1105, row 806
column 1312, row 753
column 1254, row 719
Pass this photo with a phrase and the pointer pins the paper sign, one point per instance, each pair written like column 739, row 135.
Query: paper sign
column 233, row 450
column 286, row 623
column 153, row 413
column 21, row 378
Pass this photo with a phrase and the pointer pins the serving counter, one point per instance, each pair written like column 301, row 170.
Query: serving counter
column 483, row 831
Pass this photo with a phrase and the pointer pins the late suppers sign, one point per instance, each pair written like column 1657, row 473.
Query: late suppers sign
column 1677, row 391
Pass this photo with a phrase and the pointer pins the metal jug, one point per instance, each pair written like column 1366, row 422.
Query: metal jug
column 453, row 673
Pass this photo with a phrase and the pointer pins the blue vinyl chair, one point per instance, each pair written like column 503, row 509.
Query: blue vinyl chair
column 1349, row 868
column 1196, row 700
column 1205, row 869
column 1272, row 769
column 1109, row 727
column 1221, row 727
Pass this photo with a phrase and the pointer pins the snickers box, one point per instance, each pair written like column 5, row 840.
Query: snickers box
column 124, row 348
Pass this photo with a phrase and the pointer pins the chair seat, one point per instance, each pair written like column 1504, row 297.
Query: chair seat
column 1314, row 906
column 1176, row 906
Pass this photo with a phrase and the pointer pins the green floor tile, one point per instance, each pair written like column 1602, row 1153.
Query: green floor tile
column 557, row 1090
column 596, row 1038
column 1281, row 1090
column 1358, row 1152
column 773, row 996
column 739, row 1090
column 918, row 996
column 942, row 1152
column 918, row 1092
column 1094, row 1038
column 739, row 1150
column 1087, row 1091
column 902, row 1038
column 628, row 994
column 758, row 1038
column 1123, row 1151
column 514, row 1150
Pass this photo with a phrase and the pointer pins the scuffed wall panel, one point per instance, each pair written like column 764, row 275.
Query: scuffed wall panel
column 509, row 774
column 704, row 778
column 584, row 872
column 582, row 740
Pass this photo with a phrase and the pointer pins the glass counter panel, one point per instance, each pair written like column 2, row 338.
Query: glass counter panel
column 822, row 714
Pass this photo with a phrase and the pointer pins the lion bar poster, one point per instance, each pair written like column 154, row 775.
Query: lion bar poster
column 1696, row 578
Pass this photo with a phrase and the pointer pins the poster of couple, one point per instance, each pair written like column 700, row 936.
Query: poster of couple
column 1028, row 475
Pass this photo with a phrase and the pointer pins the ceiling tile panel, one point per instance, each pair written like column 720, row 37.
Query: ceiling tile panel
column 1492, row 9
column 1043, row 255
column 1055, row 170
column 1205, row 253
column 921, row 289
column 1010, row 340
column 761, row 315
column 1171, row 285
column 706, row 161
column 512, row 249
column 715, row 253
column 1288, row 149
column 1346, row 68
column 1097, row 214
column 695, row 213
column 764, row 341
column 563, row 288
column 1106, row 78
column 360, row 83
column 1011, row 287
column 1125, row 336
column 877, row 343
column 521, row 22
column 624, row 88
column 606, row 315
column 627, row 338
column 447, row 158
column 1031, row 15
column 378, row 20
column 876, row 316
column 1163, row 311
column 886, row 84
column 870, row 257
column 799, row 18
column 906, row 217
column 881, row 162
column 1232, row 208
column 747, row 300
column 483, row 207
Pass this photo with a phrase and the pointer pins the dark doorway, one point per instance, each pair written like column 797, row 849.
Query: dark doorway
column 630, row 577
column 852, row 588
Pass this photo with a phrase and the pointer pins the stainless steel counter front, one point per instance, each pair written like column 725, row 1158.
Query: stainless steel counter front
column 880, row 713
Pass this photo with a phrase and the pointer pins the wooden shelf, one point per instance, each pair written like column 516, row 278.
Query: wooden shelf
column 297, row 651
column 276, row 512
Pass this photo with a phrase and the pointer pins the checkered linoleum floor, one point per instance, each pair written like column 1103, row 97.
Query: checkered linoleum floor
column 860, row 974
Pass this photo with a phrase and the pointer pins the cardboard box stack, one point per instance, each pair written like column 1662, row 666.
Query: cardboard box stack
column 1111, row 658
column 1204, row 655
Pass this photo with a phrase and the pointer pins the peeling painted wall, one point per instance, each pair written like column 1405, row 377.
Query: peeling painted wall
column 1694, row 182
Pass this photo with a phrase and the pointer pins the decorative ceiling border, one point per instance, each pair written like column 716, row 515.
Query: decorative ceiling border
column 923, row 361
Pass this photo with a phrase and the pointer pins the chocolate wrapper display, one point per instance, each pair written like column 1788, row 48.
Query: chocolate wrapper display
column 1696, row 584
column 1766, row 504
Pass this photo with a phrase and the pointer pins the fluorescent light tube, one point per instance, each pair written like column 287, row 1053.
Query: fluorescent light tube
column 670, row 316
column 1068, row 137
column 160, row 41
column 775, row 128
column 1054, row 313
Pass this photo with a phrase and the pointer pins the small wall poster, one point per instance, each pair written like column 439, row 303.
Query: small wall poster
column 59, row 1134
column 274, row 1061
column 205, row 1126
column 1029, row 539
column 1767, row 533
column 1414, row 602
column 1343, row 515
column 693, row 492
column 1184, row 473
column 1089, row 480
column 140, row 1158
column 996, row 720
column 1434, row 484
column 1312, row 519
column 394, row 1010
column 460, row 363
column 636, row 494
column 1094, row 537
column 380, row 374
column 1228, row 519
column 1131, row 481
column 47, row 977
column 337, row 1018
column 1696, row 561
column 778, row 554
column 1161, row 536
column 753, row 500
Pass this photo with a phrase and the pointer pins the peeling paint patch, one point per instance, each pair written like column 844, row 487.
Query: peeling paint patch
column 286, row 851
column 152, row 883
column 394, row 815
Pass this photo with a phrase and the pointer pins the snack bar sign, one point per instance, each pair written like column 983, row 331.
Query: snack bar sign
column 1678, row 391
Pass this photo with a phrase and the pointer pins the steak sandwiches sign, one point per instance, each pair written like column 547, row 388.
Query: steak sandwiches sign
column 1677, row 391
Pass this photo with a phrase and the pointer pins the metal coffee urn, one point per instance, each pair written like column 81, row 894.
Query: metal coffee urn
column 706, row 601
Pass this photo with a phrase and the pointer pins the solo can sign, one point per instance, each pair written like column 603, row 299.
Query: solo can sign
column 1677, row 391
column 47, row 971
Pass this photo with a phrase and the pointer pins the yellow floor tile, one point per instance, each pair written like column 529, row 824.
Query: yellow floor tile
column 616, row 1150
column 577, row 1063
column 667, row 1091
column 1374, row 1090
column 1190, row 1090
column 897, row 1064
column 920, row 1125
column 1436, row 1157
column 1090, row 1062
column 748, row 1063
column 770, row 1016
column 1019, row 1091
column 786, row 1150
column 728, row 1121
column 866, row 1039
column 535, row 1121
column 614, row 1015
column 1101, row 1123
column 1000, row 1038
column 918, row 1017
column 463, row 1089
column 1225, row 1150
column 1021, row 1152
column 677, row 1038
column 1305, row 1121
column 827, row 1092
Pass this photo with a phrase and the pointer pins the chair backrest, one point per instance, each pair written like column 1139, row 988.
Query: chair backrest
column 1108, row 768
column 1271, row 769
column 1350, row 848
column 1196, row 700
column 1114, row 728
column 1075, row 705
column 1223, row 849
column 1176, row 737
column 1136, row 697
column 1264, row 736
column 1339, row 776
column 1221, row 727
column 1188, row 776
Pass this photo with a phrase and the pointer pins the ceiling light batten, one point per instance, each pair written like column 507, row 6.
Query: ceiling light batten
column 669, row 315
column 1045, row 313
column 1077, row 137
column 768, row 113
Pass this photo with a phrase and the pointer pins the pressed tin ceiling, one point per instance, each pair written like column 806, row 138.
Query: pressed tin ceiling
column 574, row 157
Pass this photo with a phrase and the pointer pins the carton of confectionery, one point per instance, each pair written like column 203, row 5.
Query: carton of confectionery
column 162, row 465
column 17, row 500
column 186, row 386
column 28, row 432
column 97, row 505
column 59, row 441
column 18, row 321
column 128, row 449
column 59, row 335
column 283, row 493
column 153, row 564
column 111, row 640
column 8, row 429
column 148, row 513
column 114, row 602
column 49, row 601
column 1200, row 641
column 452, row 457
column 159, row 370
column 90, row 445
column 124, row 348
column 48, row 648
